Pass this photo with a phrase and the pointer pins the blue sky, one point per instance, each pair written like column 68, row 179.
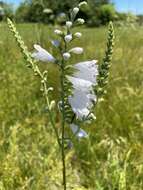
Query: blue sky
column 135, row 6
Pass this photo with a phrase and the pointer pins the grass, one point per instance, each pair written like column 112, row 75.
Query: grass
column 112, row 157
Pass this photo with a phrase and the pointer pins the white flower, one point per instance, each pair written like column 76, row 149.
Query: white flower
column 68, row 38
column 55, row 43
column 66, row 56
column 81, row 103
column 76, row 50
column 83, row 96
column 80, row 21
column 75, row 10
column 69, row 24
column 78, row 35
column 87, row 70
column 58, row 32
column 78, row 132
column 84, row 85
column 42, row 55
column 82, row 3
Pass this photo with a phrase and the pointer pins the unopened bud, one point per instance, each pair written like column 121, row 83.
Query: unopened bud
column 80, row 21
column 78, row 35
column 58, row 32
column 75, row 10
column 66, row 56
column 82, row 3
column 69, row 24
column 52, row 104
column 76, row 50
column 68, row 38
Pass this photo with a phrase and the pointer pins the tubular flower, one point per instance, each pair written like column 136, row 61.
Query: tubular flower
column 83, row 95
column 76, row 50
column 42, row 55
column 80, row 133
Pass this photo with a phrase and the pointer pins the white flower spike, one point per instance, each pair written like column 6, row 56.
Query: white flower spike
column 42, row 55
column 80, row 133
column 76, row 50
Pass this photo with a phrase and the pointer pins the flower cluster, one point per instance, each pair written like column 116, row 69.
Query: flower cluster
column 84, row 78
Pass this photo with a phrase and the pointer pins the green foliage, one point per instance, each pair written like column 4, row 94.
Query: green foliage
column 101, row 14
column 112, row 156
column 6, row 10
column 107, row 13
column 97, row 13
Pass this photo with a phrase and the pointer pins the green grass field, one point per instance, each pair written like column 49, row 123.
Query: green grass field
column 112, row 157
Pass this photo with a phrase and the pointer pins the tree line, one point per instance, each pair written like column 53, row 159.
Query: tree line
column 97, row 13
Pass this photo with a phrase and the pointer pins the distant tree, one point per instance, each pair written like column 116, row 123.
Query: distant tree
column 23, row 12
column 6, row 10
column 140, row 19
column 107, row 13
column 94, row 14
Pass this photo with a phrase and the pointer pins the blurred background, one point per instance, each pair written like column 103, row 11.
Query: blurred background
column 99, row 12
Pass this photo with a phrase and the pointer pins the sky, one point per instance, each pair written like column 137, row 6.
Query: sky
column 135, row 6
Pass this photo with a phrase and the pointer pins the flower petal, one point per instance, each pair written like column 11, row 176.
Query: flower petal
column 42, row 55
column 81, row 103
column 80, row 133
column 80, row 83
column 87, row 70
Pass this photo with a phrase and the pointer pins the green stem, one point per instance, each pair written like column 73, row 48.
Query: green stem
column 63, row 125
column 50, row 115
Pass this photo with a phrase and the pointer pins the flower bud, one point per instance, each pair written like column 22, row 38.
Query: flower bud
column 80, row 21
column 75, row 10
column 52, row 104
column 58, row 32
column 77, row 50
column 55, row 43
column 50, row 89
column 92, row 116
column 78, row 35
column 47, row 11
column 82, row 3
column 69, row 24
column 68, row 38
column 66, row 56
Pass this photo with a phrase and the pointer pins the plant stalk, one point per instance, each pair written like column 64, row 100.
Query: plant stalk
column 63, row 125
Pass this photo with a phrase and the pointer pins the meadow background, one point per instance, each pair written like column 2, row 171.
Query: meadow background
column 112, row 157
